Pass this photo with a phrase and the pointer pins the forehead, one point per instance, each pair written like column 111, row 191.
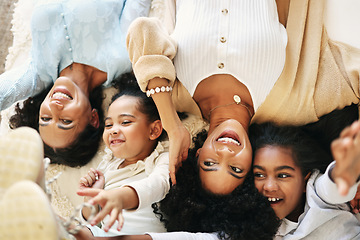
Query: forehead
column 124, row 103
column 274, row 156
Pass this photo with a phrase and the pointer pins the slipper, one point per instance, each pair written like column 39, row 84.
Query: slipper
column 21, row 158
column 26, row 214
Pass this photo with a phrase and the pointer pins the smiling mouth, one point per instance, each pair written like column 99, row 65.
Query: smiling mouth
column 116, row 141
column 229, row 137
column 61, row 94
column 273, row 200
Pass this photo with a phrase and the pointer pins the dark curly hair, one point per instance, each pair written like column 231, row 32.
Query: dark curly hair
column 83, row 149
column 127, row 85
column 243, row 214
column 306, row 151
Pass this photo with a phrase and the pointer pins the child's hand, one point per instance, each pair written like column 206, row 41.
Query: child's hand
column 346, row 151
column 93, row 179
column 112, row 202
column 355, row 203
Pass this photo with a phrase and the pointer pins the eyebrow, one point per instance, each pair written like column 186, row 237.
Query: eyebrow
column 277, row 169
column 214, row 169
column 59, row 126
column 121, row 115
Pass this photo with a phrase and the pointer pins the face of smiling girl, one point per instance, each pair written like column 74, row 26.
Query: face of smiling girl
column 127, row 130
column 278, row 178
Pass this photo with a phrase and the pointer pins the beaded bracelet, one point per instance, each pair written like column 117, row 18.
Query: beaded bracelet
column 157, row 90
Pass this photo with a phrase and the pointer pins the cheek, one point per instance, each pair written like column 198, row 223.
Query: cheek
column 258, row 185
column 106, row 138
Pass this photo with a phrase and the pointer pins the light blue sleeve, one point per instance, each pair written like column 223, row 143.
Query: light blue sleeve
column 19, row 84
column 132, row 10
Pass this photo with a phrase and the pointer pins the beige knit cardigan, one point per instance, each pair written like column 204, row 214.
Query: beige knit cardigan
column 319, row 75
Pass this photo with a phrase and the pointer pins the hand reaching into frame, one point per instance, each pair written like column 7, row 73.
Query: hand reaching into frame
column 346, row 151
column 112, row 202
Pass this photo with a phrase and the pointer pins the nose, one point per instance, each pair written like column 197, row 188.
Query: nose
column 114, row 131
column 270, row 185
column 225, row 151
column 56, row 105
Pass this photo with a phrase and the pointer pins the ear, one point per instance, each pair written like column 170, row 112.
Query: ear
column 94, row 121
column 306, row 178
column 155, row 129
column 198, row 152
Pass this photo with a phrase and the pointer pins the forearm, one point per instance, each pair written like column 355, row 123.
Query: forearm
column 156, row 185
column 128, row 197
column 164, row 104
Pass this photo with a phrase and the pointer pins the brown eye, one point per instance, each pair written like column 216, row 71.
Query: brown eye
column 208, row 164
column 236, row 169
column 45, row 119
column 66, row 121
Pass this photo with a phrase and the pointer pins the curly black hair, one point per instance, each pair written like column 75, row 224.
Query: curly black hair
column 306, row 151
column 243, row 214
column 83, row 149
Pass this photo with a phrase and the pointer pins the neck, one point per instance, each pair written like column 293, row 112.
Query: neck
column 295, row 214
column 233, row 111
column 86, row 77
column 215, row 98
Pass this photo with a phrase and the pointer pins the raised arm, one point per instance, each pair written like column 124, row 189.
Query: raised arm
column 151, row 51
column 19, row 84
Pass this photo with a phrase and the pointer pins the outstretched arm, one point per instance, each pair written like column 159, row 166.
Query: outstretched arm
column 19, row 84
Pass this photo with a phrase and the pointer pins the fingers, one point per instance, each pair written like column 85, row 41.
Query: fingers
column 89, row 192
column 120, row 222
column 185, row 155
column 351, row 131
column 113, row 217
column 339, row 147
column 172, row 174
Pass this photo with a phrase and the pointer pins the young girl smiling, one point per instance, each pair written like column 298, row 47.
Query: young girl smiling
column 287, row 166
column 137, row 176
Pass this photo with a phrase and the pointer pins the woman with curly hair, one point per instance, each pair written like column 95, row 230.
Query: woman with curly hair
column 77, row 47
column 191, row 212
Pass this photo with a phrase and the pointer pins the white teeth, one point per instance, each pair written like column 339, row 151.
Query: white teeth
column 273, row 199
column 228, row 140
column 61, row 95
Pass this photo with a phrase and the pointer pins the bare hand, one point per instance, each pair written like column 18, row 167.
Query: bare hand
column 346, row 151
column 93, row 179
column 179, row 139
column 110, row 202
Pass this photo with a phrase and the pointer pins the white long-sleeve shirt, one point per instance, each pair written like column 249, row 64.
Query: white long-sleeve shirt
column 150, row 180
column 242, row 38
